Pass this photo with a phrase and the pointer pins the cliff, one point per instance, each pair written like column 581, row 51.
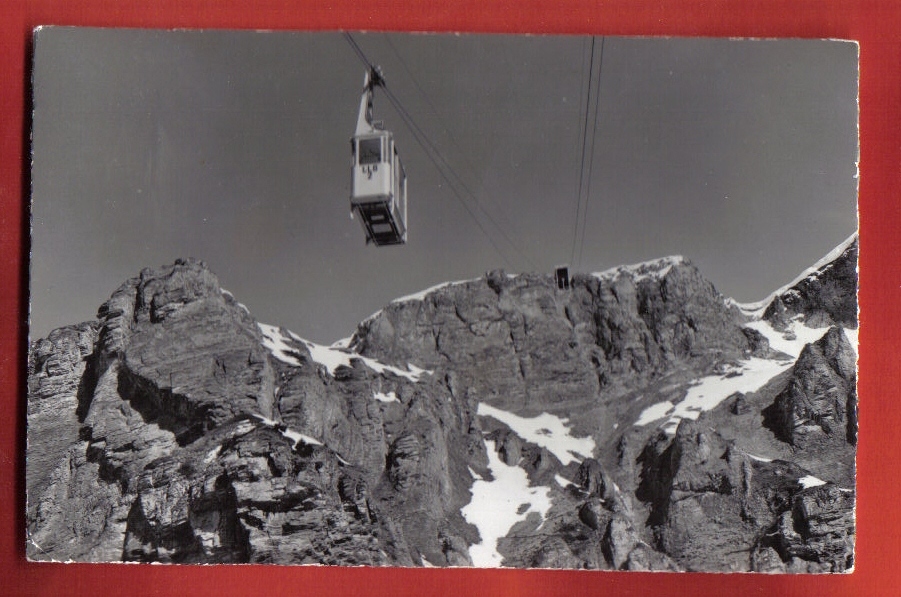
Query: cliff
column 498, row 421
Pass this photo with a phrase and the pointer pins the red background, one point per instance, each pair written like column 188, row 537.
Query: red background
column 875, row 24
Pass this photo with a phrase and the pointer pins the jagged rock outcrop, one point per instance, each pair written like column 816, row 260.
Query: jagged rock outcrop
column 828, row 296
column 715, row 508
column 817, row 534
column 58, row 379
column 518, row 340
column 248, row 495
column 175, row 367
column 819, row 403
column 177, row 428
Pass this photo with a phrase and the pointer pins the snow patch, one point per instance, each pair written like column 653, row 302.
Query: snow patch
column 793, row 340
column 852, row 334
column 418, row 296
column 230, row 295
column 546, row 430
column 275, row 341
column 385, row 397
column 290, row 434
column 748, row 376
column 495, row 507
column 329, row 356
column 332, row 358
column 561, row 481
column 243, row 427
column 342, row 343
column 709, row 391
column 212, row 454
column 756, row 309
column 656, row 268
column 713, row 389
column 759, row 458
column 654, row 412
column 810, row 481
column 298, row 438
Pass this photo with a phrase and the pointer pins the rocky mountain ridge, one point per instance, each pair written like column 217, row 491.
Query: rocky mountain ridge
column 177, row 428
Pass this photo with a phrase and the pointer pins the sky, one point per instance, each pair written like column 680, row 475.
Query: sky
column 233, row 147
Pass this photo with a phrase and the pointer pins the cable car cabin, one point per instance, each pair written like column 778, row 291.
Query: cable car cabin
column 378, row 180
column 379, row 189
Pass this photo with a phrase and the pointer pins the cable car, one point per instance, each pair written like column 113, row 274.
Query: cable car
column 378, row 181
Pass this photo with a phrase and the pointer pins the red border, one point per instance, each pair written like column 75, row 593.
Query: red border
column 876, row 24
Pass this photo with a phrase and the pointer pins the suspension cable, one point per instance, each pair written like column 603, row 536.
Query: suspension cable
column 445, row 128
column 435, row 156
column 572, row 255
column 597, row 103
column 424, row 144
column 437, row 153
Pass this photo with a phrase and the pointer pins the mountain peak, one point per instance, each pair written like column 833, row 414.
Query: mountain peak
column 218, row 438
column 842, row 261
column 655, row 268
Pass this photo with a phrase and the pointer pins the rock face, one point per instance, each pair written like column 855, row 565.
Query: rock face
column 58, row 382
column 819, row 404
column 716, row 508
column 817, row 534
column 823, row 297
column 179, row 440
column 519, row 341
column 176, row 428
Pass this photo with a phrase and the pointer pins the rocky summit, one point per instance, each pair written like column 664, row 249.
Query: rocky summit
column 635, row 420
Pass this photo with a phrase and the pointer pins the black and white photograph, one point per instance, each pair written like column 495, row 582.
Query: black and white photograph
column 443, row 300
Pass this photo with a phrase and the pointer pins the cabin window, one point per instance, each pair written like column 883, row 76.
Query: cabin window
column 370, row 151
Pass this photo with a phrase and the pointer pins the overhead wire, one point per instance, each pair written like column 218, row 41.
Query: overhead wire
column 435, row 156
column 597, row 103
column 424, row 95
column 448, row 133
column 437, row 153
column 424, row 144
column 572, row 255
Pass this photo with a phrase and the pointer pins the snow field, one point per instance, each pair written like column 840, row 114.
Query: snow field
column 229, row 294
column 753, row 374
column 714, row 389
column 656, row 268
column 654, row 412
column 290, row 434
column 810, row 481
column 495, row 506
column 545, row 430
column 803, row 336
column 757, row 309
column 385, row 397
column 330, row 356
column 418, row 296
column 277, row 344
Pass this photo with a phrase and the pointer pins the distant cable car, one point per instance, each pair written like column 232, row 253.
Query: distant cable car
column 378, row 180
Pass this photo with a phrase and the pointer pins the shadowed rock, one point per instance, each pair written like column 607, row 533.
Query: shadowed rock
column 819, row 404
